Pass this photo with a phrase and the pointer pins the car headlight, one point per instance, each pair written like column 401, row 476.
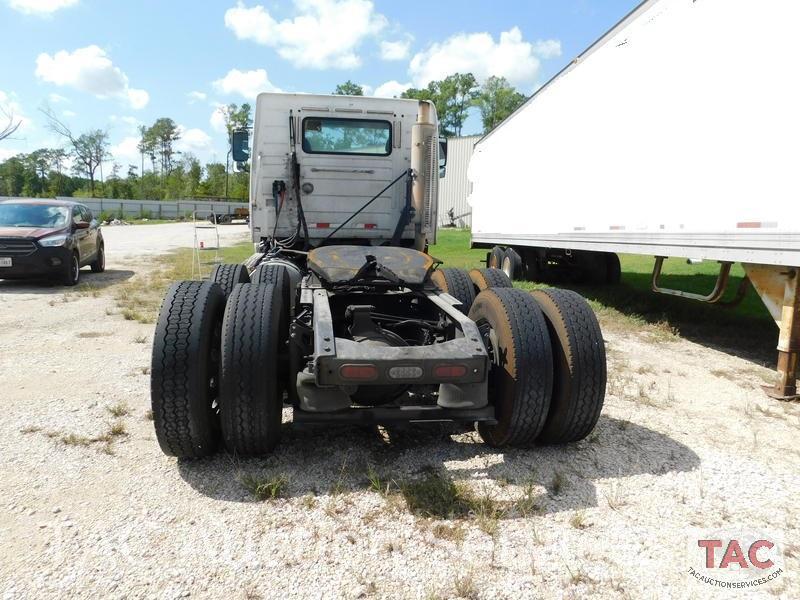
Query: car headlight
column 54, row 240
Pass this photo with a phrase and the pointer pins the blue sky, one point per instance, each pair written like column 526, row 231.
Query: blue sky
column 114, row 65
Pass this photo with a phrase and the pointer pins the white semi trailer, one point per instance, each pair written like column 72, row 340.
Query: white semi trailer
column 674, row 135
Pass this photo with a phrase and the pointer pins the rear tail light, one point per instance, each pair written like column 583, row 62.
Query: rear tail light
column 449, row 371
column 358, row 372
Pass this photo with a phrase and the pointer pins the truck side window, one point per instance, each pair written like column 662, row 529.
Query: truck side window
column 329, row 135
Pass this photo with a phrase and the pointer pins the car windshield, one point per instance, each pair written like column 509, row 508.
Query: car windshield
column 33, row 215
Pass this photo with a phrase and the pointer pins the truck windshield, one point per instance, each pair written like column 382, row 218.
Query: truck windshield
column 33, row 215
column 346, row 136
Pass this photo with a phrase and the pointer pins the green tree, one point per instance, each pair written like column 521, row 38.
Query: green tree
column 458, row 93
column 496, row 101
column 162, row 136
column 348, row 88
column 88, row 150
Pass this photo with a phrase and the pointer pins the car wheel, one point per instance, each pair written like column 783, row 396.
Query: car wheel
column 455, row 282
column 184, row 373
column 72, row 271
column 515, row 334
column 99, row 264
column 579, row 360
column 254, row 334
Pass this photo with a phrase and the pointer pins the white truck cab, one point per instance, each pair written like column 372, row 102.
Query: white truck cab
column 317, row 160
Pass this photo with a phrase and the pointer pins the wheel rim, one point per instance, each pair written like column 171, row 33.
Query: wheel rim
column 507, row 267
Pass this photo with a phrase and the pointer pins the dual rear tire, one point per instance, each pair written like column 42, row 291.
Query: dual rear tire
column 216, row 374
column 548, row 367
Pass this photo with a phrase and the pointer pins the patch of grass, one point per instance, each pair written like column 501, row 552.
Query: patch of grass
column 30, row 429
column 450, row 533
column 265, row 488
column 139, row 299
column 145, row 370
column 148, row 415
column 309, row 501
column 437, row 496
column 94, row 334
column 120, row 409
column 74, row 439
column 379, row 483
column 578, row 521
column 528, row 503
column 140, row 339
column 465, row 587
column 117, row 429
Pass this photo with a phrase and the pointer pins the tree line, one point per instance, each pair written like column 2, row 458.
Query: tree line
column 164, row 173
column 455, row 95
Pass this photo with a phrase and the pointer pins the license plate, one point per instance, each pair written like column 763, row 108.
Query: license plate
column 5, row 261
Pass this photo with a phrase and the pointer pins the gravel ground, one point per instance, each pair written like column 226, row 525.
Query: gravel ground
column 687, row 444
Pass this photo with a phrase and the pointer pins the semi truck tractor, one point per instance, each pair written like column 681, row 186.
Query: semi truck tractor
column 342, row 316
column 674, row 135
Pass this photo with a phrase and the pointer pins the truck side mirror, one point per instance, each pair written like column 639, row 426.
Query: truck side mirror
column 240, row 145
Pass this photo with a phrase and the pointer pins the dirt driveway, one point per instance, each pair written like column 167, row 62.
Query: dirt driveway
column 687, row 444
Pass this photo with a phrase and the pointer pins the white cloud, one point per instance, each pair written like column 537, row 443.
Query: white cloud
column 6, row 153
column 247, row 84
column 89, row 70
column 127, row 151
column 323, row 34
column 478, row 53
column 57, row 98
column 217, row 119
column 69, row 113
column 10, row 107
column 395, row 50
column 193, row 141
column 196, row 97
column 547, row 48
column 40, row 7
column 391, row 89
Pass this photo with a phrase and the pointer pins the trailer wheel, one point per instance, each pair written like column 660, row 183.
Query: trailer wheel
column 496, row 258
column 613, row 268
column 515, row 334
column 483, row 279
column 458, row 284
column 184, row 369
column 275, row 274
column 254, row 333
column 512, row 264
column 227, row 276
column 579, row 385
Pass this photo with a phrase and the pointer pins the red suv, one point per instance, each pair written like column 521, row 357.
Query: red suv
column 48, row 238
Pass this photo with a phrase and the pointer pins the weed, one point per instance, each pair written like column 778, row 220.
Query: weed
column 145, row 370
column 528, row 503
column 309, row 501
column 437, row 496
column 451, row 533
column 94, row 334
column 140, row 339
column 265, row 488
column 465, row 587
column 120, row 409
column 30, row 429
column 377, row 483
column 117, row 429
column 74, row 439
column 578, row 521
column 148, row 415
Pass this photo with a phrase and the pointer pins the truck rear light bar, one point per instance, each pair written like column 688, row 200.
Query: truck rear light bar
column 359, row 372
column 449, row 371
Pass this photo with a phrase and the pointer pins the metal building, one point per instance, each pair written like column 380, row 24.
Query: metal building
column 454, row 187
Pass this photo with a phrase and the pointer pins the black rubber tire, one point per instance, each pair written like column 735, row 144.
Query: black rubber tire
column 185, row 369
column 579, row 384
column 591, row 268
column 613, row 268
column 531, row 265
column 521, row 374
column 228, row 276
column 512, row 264
column 99, row 263
column 483, row 279
column 71, row 273
column 276, row 274
column 457, row 283
column 254, row 334
column 495, row 259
